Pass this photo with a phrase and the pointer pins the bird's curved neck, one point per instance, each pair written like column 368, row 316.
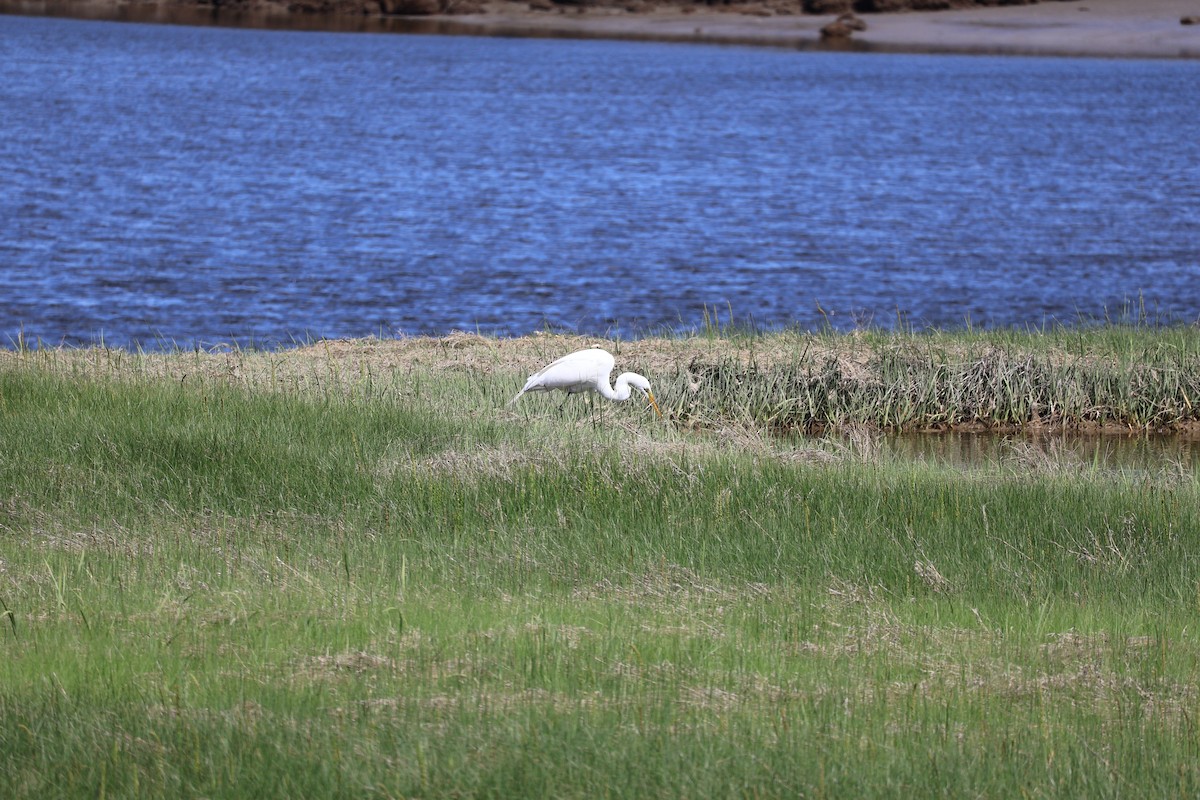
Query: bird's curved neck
column 619, row 391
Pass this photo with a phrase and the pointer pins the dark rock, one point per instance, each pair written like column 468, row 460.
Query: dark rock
column 836, row 30
column 1189, row 20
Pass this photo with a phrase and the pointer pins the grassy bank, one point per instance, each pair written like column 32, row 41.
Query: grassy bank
column 353, row 570
column 1104, row 378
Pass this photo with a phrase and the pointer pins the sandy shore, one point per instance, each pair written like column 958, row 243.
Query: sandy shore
column 1102, row 28
column 1112, row 28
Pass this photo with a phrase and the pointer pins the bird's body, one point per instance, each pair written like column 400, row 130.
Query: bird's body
column 587, row 371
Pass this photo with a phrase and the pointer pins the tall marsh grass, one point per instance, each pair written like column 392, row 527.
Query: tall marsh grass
column 906, row 382
column 362, row 581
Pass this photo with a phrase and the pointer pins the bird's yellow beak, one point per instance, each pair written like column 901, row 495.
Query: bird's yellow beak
column 651, row 396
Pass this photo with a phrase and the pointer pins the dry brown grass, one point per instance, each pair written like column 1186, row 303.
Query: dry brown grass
column 348, row 358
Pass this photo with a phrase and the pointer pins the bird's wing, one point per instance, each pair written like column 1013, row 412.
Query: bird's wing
column 573, row 372
column 582, row 364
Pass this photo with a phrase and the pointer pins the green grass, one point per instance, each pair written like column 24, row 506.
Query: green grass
column 393, row 585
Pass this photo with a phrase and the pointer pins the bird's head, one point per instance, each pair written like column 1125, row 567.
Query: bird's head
column 640, row 383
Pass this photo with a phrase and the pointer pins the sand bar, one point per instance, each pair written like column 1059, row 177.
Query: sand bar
column 1098, row 28
column 1103, row 28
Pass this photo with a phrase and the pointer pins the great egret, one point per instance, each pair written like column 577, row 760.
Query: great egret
column 587, row 371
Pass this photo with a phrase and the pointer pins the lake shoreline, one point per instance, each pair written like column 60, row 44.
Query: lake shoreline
column 1102, row 28
column 1090, row 28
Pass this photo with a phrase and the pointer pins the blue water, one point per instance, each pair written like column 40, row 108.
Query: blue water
column 193, row 185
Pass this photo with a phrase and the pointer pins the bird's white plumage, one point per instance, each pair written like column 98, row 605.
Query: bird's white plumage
column 577, row 372
column 587, row 371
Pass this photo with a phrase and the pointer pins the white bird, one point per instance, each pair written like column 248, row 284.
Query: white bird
column 587, row 371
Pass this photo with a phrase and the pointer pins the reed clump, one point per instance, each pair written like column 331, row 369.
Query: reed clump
column 936, row 387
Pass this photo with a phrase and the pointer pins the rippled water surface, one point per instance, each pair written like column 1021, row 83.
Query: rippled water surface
column 191, row 185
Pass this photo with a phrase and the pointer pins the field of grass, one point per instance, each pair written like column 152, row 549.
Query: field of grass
column 352, row 570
